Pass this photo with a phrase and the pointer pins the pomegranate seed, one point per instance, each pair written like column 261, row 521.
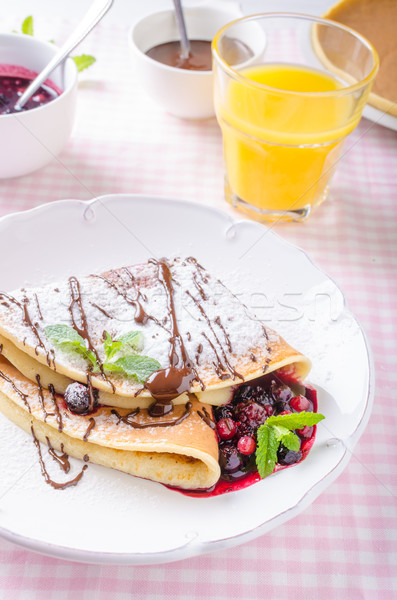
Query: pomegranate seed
column 306, row 432
column 285, row 412
column 299, row 403
column 246, row 445
column 226, row 428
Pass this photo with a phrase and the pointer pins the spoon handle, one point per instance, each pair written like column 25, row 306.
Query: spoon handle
column 180, row 21
column 94, row 14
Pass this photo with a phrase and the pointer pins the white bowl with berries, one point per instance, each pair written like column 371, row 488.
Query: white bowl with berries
column 34, row 136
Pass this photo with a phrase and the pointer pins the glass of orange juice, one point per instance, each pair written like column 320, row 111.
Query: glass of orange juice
column 285, row 106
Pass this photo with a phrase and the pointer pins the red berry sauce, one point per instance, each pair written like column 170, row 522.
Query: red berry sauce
column 237, row 424
column 13, row 82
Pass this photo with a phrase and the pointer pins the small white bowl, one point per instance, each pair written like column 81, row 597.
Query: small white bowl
column 182, row 93
column 32, row 138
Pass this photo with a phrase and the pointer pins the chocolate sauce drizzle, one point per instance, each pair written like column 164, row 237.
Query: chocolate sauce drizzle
column 41, row 397
column 141, row 315
column 56, row 407
column 24, row 397
column 127, row 419
column 204, row 414
column 54, row 484
column 218, row 321
column 221, row 365
column 38, row 307
column 91, row 392
column 62, row 459
column 90, row 427
column 166, row 384
column 28, row 322
column 82, row 329
column 102, row 310
column 201, row 269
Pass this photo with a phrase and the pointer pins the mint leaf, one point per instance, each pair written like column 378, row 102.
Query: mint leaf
column 132, row 340
column 136, row 366
column 266, row 450
column 291, row 441
column 279, row 431
column 60, row 334
column 27, row 26
column 68, row 339
column 276, row 430
column 296, row 420
column 286, row 437
column 83, row 61
column 110, row 347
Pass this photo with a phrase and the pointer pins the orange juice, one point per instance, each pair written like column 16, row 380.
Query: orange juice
column 283, row 133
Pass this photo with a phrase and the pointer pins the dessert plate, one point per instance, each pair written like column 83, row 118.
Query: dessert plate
column 111, row 517
column 379, row 117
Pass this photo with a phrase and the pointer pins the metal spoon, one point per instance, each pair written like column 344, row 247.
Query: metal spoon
column 180, row 21
column 94, row 14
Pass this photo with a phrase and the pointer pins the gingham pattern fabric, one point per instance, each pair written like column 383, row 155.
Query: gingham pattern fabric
column 345, row 544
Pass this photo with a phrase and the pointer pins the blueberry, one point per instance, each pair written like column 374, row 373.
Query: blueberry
column 77, row 398
column 288, row 457
column 229, row 458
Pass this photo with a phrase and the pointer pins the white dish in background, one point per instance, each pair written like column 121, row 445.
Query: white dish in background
column 186, row 94
column 111, row 517
column 32, row 138
column 379, row 117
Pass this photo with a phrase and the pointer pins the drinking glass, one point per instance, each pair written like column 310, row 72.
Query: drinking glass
column 286, row 110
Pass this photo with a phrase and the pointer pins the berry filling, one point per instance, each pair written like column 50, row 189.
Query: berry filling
column 237, row 423
column 13, row 82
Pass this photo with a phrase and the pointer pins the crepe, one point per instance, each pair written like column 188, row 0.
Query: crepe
column 203, row 338
column 224, row 343
column 375, row 20
column 184, row 455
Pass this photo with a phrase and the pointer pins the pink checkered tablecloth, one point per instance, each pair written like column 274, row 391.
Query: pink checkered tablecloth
column 345, row 544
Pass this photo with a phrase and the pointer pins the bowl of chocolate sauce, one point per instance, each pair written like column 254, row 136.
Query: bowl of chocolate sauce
column 184, row 87
column 34, row 136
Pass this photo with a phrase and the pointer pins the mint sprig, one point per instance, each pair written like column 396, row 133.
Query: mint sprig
column 279, row 430
column 68, row 339
column 126, row 345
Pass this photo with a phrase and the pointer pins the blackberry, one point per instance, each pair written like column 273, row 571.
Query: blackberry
column 250, row 415
column 223, row 412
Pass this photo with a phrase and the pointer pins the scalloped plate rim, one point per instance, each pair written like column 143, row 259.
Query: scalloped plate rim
column 190, row 549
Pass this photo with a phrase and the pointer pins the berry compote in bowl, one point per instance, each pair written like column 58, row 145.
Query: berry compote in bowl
column 34, row 136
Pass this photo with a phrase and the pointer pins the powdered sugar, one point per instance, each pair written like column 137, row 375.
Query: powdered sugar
column 215, row 327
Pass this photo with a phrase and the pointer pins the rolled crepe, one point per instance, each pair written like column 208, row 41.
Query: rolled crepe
column 184, row 455
column 225, row 344
column 190, row 323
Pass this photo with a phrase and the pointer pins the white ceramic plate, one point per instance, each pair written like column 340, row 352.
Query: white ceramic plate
column 111, row 517
column 379, row 117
